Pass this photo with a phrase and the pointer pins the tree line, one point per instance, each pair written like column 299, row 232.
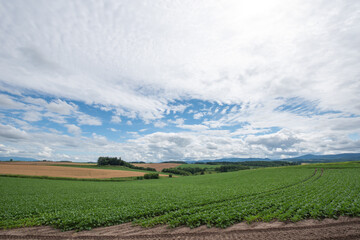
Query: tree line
column 114, row 161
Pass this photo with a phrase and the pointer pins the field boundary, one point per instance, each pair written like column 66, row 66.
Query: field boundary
column 124, row 179
column 221, row 233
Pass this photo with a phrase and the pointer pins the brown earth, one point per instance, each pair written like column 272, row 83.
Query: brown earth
column 343, row 228
column 58, row 171
column 46, row 163
column 157, row 166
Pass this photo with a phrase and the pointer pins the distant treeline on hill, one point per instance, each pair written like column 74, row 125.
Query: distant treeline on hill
column 114, row 161
column 226, row 167
column 257, row 163
column 180, row 162
column 184, row 171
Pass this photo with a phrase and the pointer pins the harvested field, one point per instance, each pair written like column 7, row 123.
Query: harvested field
column 47, row 163
column 343, row 228
column 157, row 166
column 58, row 171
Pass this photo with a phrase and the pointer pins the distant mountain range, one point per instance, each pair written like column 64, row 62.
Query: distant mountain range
column 326, row 158
column 304, row 158
column 231, row 160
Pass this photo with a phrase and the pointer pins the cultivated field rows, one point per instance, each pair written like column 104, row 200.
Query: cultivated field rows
column 221, row 200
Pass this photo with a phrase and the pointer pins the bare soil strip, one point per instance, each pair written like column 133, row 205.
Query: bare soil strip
column 46, row 163
column 58, row 171
column 158, row 166
column 343, row 228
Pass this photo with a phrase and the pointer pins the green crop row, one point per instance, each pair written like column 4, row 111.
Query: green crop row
column 331, row 194
column 287, row 193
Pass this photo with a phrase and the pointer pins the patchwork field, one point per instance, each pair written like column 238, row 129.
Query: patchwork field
column 47, row 163
column 33, row 169
column 221, row 200
column 158, row 166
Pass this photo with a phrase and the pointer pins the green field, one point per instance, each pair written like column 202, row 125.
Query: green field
column 286, row 193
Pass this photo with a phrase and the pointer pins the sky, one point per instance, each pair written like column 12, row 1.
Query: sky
column 173, row 80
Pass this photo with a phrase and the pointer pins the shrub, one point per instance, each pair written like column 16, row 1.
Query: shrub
column 231, row 168
column 170, row 175
column 176, row 171
column 151, row 176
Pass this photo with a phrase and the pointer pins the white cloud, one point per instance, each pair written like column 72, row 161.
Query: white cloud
column 129, row 123
column 198, row 115
column 8, row 132
column 254, row 54
column 283, row 140
column 159, row 124
column 73, row 129
column 32, row 116
column 115, row 119
column 5, row 150
column 194, row 127
column 7, row 102
column 47, row 152
column 85, row 119
column 250, row 51
column 62, row 107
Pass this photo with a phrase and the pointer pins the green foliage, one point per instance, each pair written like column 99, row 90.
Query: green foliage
column 111, row 161
column 151, row 176
column 180, row 162
column 287, row 194
column 187, row 170
column 114, row 161
column 176, row 171
column 192, row 170
column 231, row 168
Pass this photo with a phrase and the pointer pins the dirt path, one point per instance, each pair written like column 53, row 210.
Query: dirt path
column 343, row 228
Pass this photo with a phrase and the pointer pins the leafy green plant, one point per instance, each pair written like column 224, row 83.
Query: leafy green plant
column 287, row 194
column 151, row 176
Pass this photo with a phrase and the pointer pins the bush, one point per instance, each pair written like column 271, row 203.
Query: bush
column 176, row 171
column 151, row 176
column 192, row 170
column 231, row 168
column 170, row 175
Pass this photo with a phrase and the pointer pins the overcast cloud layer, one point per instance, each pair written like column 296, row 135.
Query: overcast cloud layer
column 176, row 80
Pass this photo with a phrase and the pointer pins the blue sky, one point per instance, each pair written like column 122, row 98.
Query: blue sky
column 190, row 80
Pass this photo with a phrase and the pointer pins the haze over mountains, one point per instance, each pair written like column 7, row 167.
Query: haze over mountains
column 304, row 158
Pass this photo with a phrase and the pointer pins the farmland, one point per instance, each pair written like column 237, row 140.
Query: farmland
column 158, row 166
column 221, row 200
column 66, row 170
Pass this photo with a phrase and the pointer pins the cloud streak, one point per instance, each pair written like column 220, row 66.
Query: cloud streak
column 274, row 77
